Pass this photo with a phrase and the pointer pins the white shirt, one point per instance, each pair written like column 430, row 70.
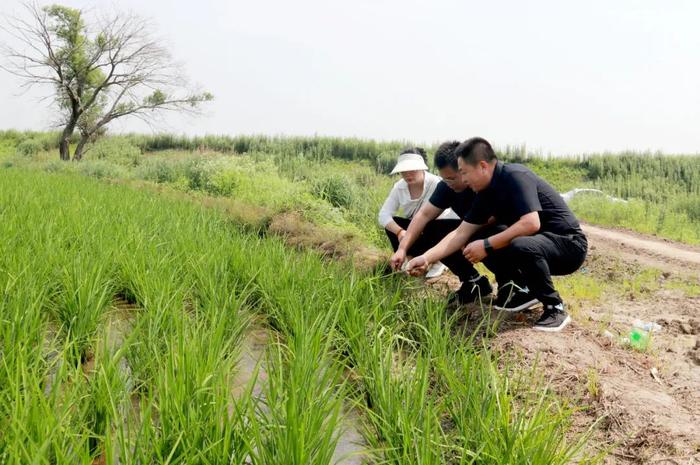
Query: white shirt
column 399, row 203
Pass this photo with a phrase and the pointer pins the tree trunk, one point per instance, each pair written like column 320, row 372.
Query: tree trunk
column 64, row 149
column 64, row 145
column 78, row 154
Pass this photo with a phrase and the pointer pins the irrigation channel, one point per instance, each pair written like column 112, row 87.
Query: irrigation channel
column 351, row 448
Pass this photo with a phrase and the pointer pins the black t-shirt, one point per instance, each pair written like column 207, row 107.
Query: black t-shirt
column 516, row 191
column 444, row 197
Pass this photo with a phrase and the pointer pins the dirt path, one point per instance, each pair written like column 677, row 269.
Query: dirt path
column 646, row 250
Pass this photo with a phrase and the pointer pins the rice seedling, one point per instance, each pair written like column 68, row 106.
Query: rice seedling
column 503, row 418
column 298, row 422
column 86, row 289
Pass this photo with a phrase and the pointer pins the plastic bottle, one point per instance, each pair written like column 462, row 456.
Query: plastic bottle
column 639, row 339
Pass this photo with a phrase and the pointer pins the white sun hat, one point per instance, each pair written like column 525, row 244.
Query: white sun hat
column 409, row 162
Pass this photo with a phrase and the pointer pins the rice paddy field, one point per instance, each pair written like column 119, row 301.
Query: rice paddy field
column 123, row 319
column 153, row 310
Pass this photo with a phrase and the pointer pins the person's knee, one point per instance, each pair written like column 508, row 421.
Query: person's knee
column 403, row 222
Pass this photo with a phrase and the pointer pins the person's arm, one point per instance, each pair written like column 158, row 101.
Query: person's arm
column 386, row 213
column 395, row 228
column 527, row 225
column 427, row 213
column 447, row 246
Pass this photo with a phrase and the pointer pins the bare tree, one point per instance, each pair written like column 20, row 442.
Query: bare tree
column 100, row 72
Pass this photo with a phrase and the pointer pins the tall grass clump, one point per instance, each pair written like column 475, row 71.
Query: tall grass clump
column 86, row 290
column 115, row 149
column 29, row 147
column 336, row 190
column 504, row 417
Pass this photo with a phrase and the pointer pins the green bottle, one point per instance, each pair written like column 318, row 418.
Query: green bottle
column 639, row 339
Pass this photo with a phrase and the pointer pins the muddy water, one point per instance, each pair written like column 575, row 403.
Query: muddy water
column 251, row 359
column 351, row 448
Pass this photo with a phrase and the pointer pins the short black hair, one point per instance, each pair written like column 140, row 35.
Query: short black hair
column 417, row 150
column 474, row 150
column 445, row 155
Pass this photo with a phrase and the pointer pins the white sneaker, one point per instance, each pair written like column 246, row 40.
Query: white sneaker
column 436, row 270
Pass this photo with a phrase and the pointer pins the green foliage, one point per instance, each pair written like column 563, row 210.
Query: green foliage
column 664, row 220
column 564, row 175
column 491, row 429
column 102, row 169
column 85, row 380
column 335, row 189
column 115, row 149
column 224, row 182
column 55, row 166
column 72, row 50
column 385, row 162
column 316, row 148
column 157, row 170
column 29, row 144
column 339, row 182
column 158, row 97
column 84, row 294
column 29, row 147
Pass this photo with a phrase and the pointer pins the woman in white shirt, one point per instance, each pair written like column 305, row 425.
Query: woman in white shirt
column 407, row 196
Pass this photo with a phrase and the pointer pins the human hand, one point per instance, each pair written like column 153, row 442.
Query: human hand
column 418, row 266
column 397, row 259
column 475, row 251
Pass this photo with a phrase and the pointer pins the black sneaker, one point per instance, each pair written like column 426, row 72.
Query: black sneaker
column 553, row 319
column 513, row 298
column 474, row 290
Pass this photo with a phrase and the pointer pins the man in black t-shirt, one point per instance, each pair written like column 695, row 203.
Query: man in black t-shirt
column 542, row 237
column 425, row 231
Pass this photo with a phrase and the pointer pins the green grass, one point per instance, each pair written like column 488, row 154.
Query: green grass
column 637, row 215
column 159, row 388
column 340, row 184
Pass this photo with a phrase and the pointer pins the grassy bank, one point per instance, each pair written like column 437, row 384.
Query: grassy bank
column 341, row 183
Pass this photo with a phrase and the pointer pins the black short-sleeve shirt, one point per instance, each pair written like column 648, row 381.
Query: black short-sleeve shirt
column 444, row 197
column 516, row 191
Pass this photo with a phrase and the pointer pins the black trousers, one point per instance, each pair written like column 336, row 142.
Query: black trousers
column 532, row 261
column 433, row 233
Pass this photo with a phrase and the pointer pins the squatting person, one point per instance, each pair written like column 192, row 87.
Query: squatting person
column 427, row 227
column 406, row 198
column 541, row 238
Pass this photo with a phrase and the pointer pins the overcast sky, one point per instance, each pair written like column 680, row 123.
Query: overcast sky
column 559, row 76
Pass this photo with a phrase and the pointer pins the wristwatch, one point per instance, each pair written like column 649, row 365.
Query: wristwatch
column 487, row 246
